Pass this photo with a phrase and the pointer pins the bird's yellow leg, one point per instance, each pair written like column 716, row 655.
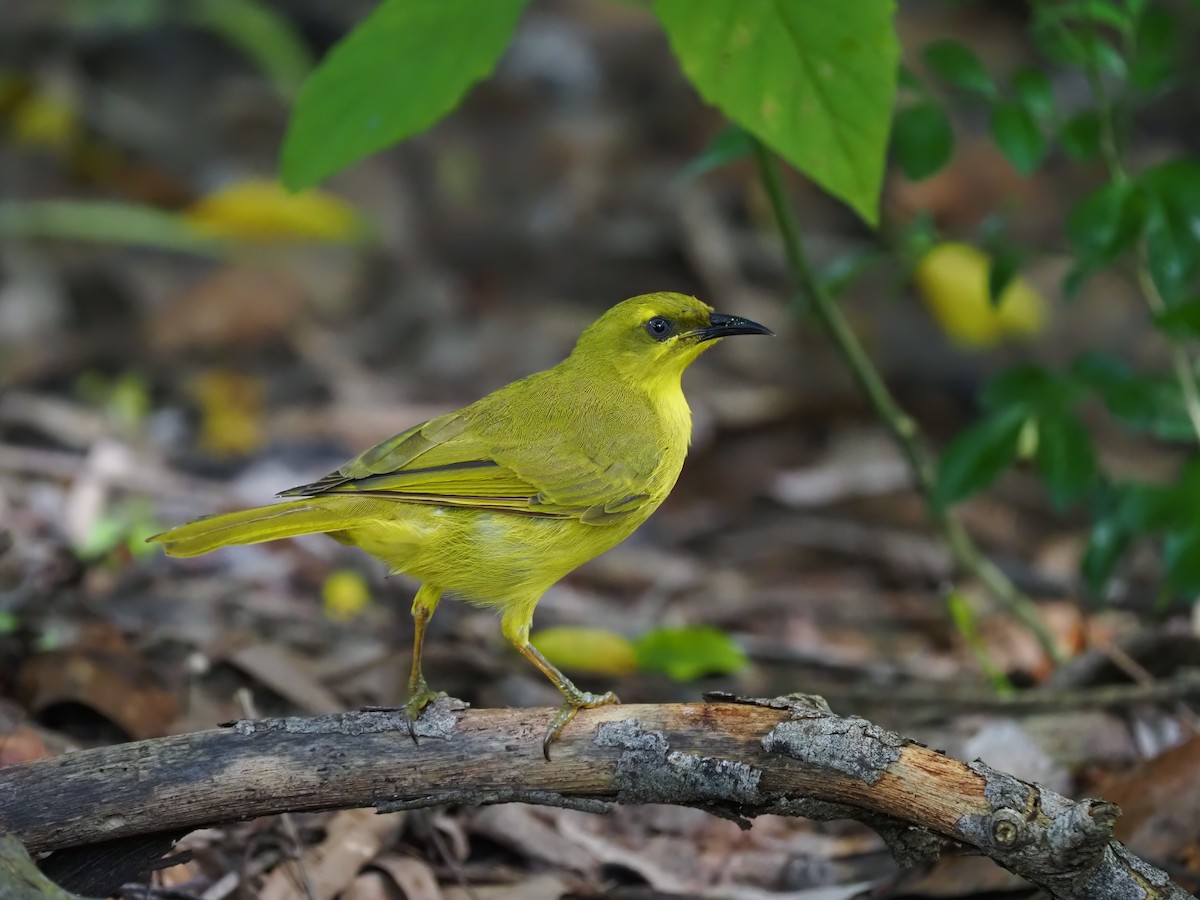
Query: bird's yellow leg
column 516, row 628
column 419, row 694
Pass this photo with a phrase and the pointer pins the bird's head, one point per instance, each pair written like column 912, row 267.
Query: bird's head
column 656, row 336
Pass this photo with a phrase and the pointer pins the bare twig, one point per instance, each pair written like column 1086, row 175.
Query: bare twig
column 903, row 427
column 736, row 758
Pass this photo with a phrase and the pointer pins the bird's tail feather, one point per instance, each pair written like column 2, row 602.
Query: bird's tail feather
column 252, row 526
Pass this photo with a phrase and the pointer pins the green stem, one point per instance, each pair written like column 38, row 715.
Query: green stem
column 967, row 555
column 1110, row 149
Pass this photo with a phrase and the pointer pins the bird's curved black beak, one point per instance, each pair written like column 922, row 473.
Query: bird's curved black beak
column 721, row 325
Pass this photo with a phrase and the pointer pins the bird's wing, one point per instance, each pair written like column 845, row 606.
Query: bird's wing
column 445, row 462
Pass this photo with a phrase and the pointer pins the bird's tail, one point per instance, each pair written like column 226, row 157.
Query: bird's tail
column 252, row 526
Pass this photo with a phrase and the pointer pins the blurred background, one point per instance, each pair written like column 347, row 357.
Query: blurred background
column 149, row 374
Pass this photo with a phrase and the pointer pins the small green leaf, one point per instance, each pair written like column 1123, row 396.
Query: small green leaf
column 1106, row 546
column 1065, row 457
column 1006, row 265
column 1080, row 136
column 1156, row 52
column 1033, row 92
column 730, row 144
column 402, row 68
column 958, row 65
column 1026, row 385
column 1181, row 320
column 1105, row 224
column 1181, row 558
column 1083, row 13
column 922, row 140
column 1172, row 251
column 1081, row 49
column 685, row 654
column 1018, row 136
column 816, row 82
column 977, row 456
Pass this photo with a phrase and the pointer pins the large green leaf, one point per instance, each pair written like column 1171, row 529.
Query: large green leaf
column 1018, row 136
column 404, row 67
column 958, row 64
column 813, row 80
column 977, row 456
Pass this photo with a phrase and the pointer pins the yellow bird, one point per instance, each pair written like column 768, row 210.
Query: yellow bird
column 496, row 502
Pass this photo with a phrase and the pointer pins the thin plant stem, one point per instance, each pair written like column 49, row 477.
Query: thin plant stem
column 1110, row 150
column 904, row 428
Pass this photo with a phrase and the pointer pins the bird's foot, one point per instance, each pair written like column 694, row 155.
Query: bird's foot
column 574, row 703
column 419, row 696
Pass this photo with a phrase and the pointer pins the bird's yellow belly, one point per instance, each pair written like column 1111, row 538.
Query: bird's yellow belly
column 486, row 558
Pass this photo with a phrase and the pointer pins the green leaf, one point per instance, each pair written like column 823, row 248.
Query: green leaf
column 1032, row 90
column 1006, row 264
column 1107, row 544
column 1065, row 457
column 1181, row 320
column 1157, row 49
column 922, row 139
column 1080, row 136
column 400, row 70
column 266, row 36
column 958, row 65
column 730, row 144
column 1181, row 558
column 686, row 654
column 814, row 81
column 1173, row 226
column 1172, row 252
column 1018, row 136
column 1084, row 13
column 1153, row 405
column 1079, row 48
column 105, row 222
column 977, row 456
column 1028, row 385
column 1104, row 224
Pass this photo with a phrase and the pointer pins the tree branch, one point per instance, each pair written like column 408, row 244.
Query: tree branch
column 734, row 757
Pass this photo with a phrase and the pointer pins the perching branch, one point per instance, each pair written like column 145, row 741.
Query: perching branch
column 904, row 428
column 734, row 757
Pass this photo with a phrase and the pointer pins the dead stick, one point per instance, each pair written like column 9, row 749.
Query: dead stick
column 733, row 757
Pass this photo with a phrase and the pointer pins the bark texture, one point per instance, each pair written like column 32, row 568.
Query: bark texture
column 734, row 757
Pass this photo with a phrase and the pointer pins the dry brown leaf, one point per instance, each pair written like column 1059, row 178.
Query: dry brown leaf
column 274, row 667
column 238, row 305
column 1158, row 801
column 527, row 831
column 353, row 837
column 372, row 886
column 413, row 877
column 22, row 744
column 540, row 887
column 99, row 671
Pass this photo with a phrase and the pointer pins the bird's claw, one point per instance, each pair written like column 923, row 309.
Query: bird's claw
column 572, row 705
column 419, row 697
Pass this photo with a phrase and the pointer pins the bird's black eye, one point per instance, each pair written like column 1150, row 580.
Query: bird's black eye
column 660, row 328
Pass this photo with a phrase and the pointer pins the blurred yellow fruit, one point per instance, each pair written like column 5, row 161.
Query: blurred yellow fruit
column 231, row 412
column 261, row 210
column 587, row 650
column 952, row 279
column 344, row 595
column 45, row 119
